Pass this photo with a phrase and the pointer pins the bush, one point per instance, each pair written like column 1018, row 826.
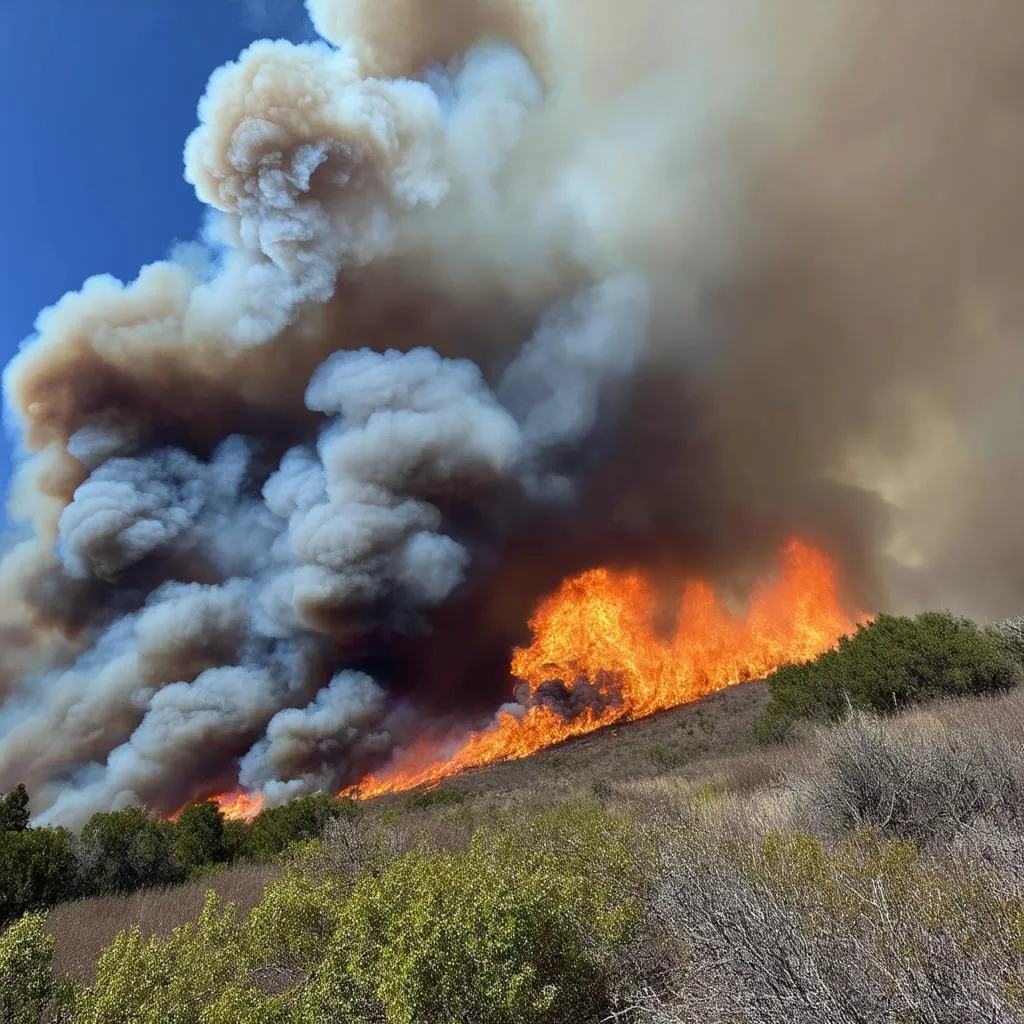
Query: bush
column 515, row 930
column 888, row 665
column 435, row 798
column 38, row 868
column 198, row 975
column 272, row 831
column 199, row 837
column 784, row 929
column 915, row 778
column 26, row 971
column 123, row 851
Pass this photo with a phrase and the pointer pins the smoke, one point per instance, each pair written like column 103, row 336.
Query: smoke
column 490, row 292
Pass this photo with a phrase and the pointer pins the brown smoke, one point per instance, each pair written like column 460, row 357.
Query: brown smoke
column 496, row 291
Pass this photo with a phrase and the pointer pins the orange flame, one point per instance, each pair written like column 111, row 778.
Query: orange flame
column 239, row 806
column 600, row 627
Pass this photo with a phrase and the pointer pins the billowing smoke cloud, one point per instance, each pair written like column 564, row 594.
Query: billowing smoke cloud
column 492, row 291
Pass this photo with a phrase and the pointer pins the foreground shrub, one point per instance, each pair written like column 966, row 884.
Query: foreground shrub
column 198, row 975
column 515, row 930
column 890, row 664
column 518, row 927
column 783, row 929
column 26, row 971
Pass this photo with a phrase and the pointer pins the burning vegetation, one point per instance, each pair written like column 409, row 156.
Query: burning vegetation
column 597, row 658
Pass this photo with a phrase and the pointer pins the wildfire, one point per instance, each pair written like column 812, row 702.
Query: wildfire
column 601, row 628
column 239, row 806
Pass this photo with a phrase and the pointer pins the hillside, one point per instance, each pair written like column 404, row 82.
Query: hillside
column 657, row 872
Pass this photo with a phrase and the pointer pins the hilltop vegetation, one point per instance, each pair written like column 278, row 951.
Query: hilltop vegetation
column 676, row 871
column 895, row 662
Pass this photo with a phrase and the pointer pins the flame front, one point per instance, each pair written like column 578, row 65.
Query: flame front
column 601, row 627
column 239, row 806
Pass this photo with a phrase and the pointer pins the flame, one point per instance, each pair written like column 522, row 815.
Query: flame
column 600, row 627
column 239, row 806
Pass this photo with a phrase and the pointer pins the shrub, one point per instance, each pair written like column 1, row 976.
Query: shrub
column 275, row 829
column 198, row 975
column 784, row 929
column 26, row 971
column 38, row 868
column 199, row 836
column 914, row 778
column 507, row 932
column 123, row 851
column 435, row 798
column 890, row 664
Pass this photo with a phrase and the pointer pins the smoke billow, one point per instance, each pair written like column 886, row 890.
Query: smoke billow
column 490, row 292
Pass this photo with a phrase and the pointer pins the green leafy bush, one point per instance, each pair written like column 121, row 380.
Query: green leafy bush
column 515, row 930
column 443, row 797
column 889, row 664
column 199, row 837
column 198, row 975
column 26, row 971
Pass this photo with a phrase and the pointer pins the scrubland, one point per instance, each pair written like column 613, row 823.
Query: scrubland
column 858, row 868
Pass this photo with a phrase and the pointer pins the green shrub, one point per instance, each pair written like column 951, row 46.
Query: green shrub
column 889, row 664
column 26, row 971
column 296, row 919
column 199, row 837
column 38, row 868
column 123, row 851
column 198, row 975
column 275, row 829
column 480, row 936
column 435, row 798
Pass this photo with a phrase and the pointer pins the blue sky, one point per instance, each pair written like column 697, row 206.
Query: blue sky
column 96, row 100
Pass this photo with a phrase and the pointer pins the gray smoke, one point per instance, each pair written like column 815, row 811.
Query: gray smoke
column 491, row 292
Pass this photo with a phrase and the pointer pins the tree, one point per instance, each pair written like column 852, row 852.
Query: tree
column 127, row 850
column 199, row 836
column 275, row 829
column 38, row 868
column 14, row 813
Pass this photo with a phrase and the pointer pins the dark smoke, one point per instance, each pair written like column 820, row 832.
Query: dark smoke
column 494, row 291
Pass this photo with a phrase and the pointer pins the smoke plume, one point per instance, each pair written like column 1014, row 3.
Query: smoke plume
column 491, row 292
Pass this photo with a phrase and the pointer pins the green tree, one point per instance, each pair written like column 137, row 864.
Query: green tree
column 38, row 868
column 127, row 850
column 199, row 836
column 275, row 829
column 14, row 813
